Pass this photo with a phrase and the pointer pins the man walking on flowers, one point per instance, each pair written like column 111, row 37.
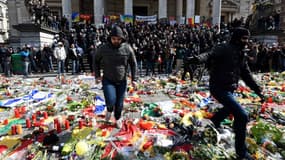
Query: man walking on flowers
column 114, row 57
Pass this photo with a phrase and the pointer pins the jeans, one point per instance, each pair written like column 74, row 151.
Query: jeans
column 168, row 66
column 60, row 66
column 140, row 67
column 50, row 66
column 114, row 94
column 7, row 68
column 26, row 68
column 179, row 64
column 231, row 106
column 75, row 66
column 149, row 67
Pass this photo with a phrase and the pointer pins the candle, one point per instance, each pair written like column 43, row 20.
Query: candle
column 55, row 122
column 13, row 130
column 19, row 129
column 45, row 115
column 58, row 128
column 28, row 123
column 41, row 130
column 263, row 108
column 34, row 117
column 80, row 124
column 42, row 120
column 5, row 122
column 38, row 113
column 16, row 113
column 23, row 109
column 270, row 100
column 90, row 123
column 67, row 125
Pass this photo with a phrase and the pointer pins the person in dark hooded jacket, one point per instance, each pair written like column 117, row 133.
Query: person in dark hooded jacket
column 227, row 64
column 115, row 56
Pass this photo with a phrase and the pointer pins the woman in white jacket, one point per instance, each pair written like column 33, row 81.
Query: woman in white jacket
column 60, row 56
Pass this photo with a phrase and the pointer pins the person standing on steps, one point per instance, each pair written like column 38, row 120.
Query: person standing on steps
column 114, row 57
column 60, row 56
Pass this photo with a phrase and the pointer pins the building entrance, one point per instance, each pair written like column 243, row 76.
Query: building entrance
column 140, row 10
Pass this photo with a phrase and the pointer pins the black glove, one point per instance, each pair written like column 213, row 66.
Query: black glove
column 193, row 60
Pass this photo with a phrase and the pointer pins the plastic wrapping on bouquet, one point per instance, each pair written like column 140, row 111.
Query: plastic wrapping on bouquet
column 204, row 102
column 99, row 105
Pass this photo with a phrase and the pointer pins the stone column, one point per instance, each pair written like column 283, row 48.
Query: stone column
column 66, row 10
column 216, row 12
column 162, row 9
column 190, row 10
column 5, row 22
column 179, row 9
column 128, row 7
column 98, row 11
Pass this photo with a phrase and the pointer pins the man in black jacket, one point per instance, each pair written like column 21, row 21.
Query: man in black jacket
column 7, row 58
column 114, row 57
column 227, row 64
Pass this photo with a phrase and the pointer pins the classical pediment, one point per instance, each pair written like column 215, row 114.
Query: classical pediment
column 226, row 4
column 230, row 3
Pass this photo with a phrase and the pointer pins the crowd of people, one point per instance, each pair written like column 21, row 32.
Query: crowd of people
column 41, row 14
column 271, row 22
column 159, row 49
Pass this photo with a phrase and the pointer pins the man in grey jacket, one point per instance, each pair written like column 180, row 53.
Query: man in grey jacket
column 114, row 57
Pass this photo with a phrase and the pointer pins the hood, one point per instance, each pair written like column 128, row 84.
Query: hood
column 117, row 31
column 238, row 33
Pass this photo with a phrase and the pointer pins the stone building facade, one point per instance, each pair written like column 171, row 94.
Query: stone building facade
column 282, row 14
column 230, row 9
column 4, row 27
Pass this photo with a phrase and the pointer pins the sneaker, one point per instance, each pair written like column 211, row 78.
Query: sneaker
column 119, row 123
column 108, row 116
